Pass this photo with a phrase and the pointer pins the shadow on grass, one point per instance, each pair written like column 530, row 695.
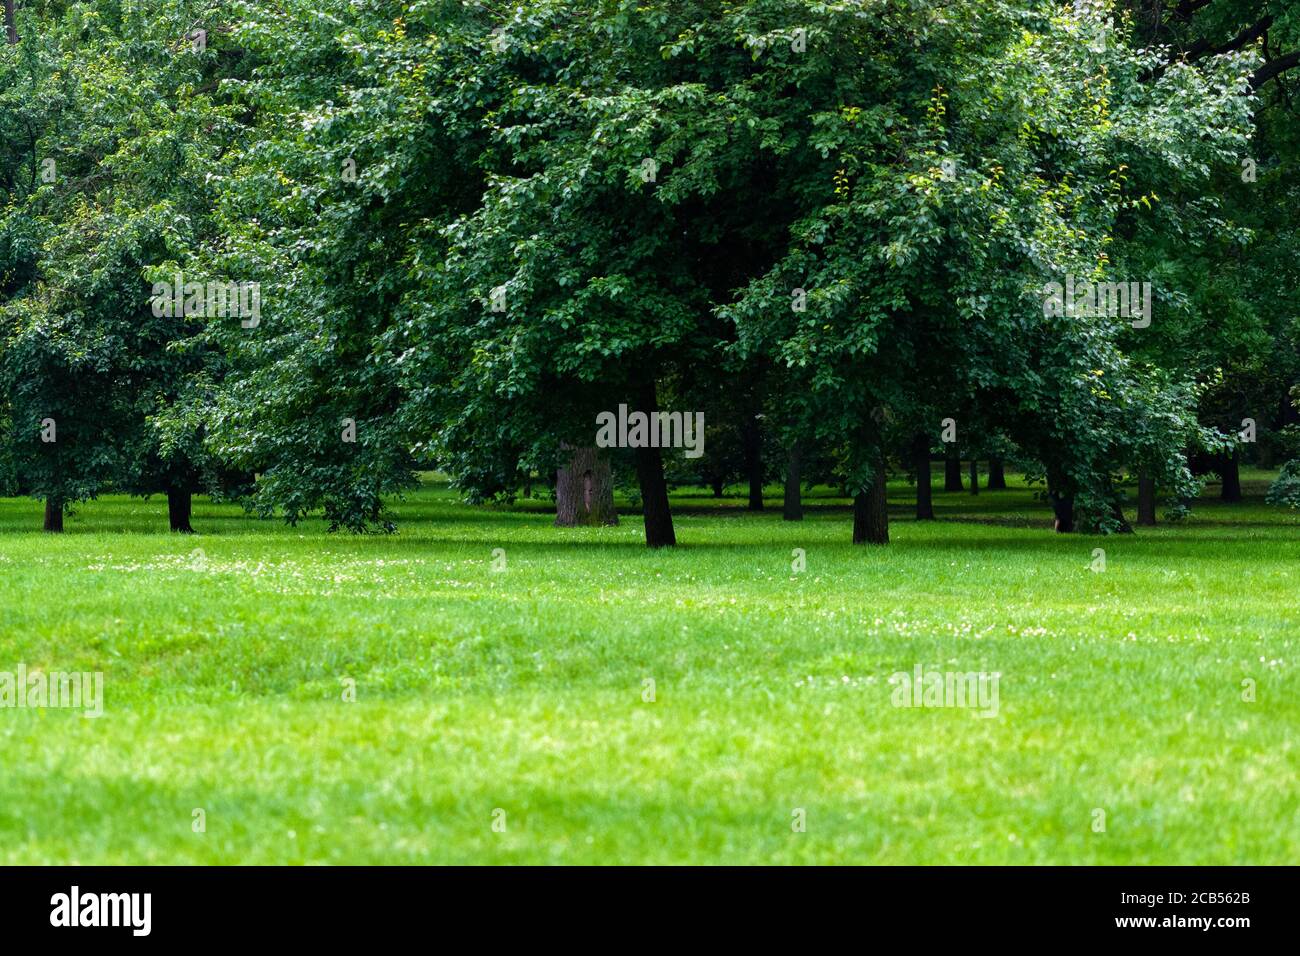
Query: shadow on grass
column 433, row 507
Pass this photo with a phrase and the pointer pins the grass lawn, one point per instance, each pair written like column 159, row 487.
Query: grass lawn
column 225, row 656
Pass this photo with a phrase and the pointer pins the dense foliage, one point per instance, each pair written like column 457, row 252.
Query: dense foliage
column 833, row 226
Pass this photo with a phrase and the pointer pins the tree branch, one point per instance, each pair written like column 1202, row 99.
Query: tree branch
column 1273, row 68
column 1247, row 36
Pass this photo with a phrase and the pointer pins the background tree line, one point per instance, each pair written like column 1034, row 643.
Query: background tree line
column 475, row 227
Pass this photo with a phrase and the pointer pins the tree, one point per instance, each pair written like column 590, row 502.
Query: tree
column 358, row 147
column 1236, row 329
column 605, row 264
column 124, row 178
column 945, row 191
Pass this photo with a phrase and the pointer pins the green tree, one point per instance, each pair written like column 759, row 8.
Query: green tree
column 126, row 142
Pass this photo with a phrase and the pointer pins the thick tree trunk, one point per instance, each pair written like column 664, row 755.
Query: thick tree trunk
column 952, row 474
column 752, row 439
column 924, row 493
column 584, row 491
column 792, row 507
column 974, row 477
column 870, row 517
column 53, row 515
column 1063, row 510
column 178, row 510
column 1118, row 514
column 1146, row 501
column 997, row 476
column 1230, row 470
column 11, row 26
column 650, row 477
column 717, row 487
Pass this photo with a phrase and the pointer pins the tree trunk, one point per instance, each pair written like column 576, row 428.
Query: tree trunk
column 792, row 508
column 924, row 493
column 752, row 439
column 870, row 517
column 1146, row 501
column 1063, row 509
column 178, row 510
column 584, row 491
column 952, row 474
column 974, row 477
column 53, row 515
column 997, row 477
column 11, row 26
column 1230, row 471
column 717, row 487
column 650, row 478
column 1118, row 514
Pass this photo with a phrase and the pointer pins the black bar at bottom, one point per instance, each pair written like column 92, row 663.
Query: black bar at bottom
column 336, row 905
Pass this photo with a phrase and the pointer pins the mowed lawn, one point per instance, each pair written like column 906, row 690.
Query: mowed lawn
column 517, row 695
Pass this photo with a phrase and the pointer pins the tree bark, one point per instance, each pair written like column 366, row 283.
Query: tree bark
column 870, row 517
column 952, row 474
column 1063, row 510
column 11, row 24
column 717, row 487
column 792, row 507
column 650, row 478
column 752, row 439
column 53, row 516
column 178, row 510
column 924, row 493
column 974, row 477
column 997, row 476
column 584, row 491
column 1146, row 515
column 1118, row 514
column 1230, row 471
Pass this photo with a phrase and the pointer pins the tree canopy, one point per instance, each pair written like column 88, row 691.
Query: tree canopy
column 1067, row 229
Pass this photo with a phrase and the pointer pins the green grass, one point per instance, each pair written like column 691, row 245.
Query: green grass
column 522, row 689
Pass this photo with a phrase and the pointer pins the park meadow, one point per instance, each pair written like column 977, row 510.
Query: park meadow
column 519, row 695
